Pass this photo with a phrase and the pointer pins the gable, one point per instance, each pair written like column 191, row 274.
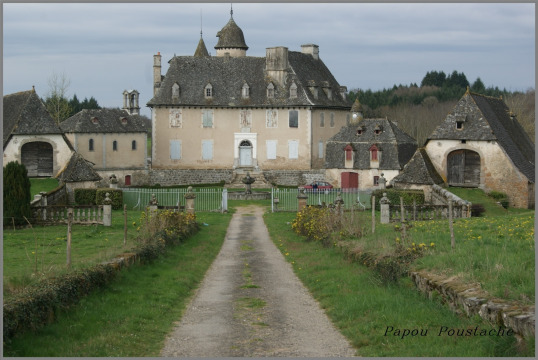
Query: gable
column 103, row 121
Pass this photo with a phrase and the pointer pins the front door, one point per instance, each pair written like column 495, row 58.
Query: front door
column 245, row 153
column 37, row 157
column 463, row 168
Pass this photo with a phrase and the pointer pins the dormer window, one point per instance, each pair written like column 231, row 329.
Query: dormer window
column 349, row 152
column 94, row 120
column 208, row 91
column 378, row 129
column 360, row 131
column 123, row 121
column 175, row 90
column 293, row 90
column 374, row 153
column 245, row 91
column 459, row 125
column 270, row 91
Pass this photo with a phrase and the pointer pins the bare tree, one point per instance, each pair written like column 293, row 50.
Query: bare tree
column 56, row 101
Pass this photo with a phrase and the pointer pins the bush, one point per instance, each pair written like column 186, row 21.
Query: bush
column 394, row 196
column 115, row 195
column 477, row 210
column 85, row 196
column 17, row 194
column 501, row 198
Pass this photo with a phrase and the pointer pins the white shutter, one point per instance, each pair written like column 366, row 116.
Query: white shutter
column 207, row 149
column 271, row 149
column 293, row 146
column 175, row 149
column 320, row 150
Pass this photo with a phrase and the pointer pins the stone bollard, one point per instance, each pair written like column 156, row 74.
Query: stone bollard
column 384, row 203
column 189, row 200
column 107, row 211
column 301, row 199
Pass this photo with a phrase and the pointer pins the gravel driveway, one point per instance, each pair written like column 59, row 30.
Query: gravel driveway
column 251, row 304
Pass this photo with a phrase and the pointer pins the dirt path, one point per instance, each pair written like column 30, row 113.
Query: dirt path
column 251, row 304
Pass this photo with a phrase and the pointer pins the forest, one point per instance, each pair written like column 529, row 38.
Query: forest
column 419, row 109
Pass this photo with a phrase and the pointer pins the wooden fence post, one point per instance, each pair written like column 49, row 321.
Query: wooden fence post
column 124, row 224
column 451, row 226
column 69, row 226
column 373, row 214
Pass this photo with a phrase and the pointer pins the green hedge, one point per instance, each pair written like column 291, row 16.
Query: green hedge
column 394, row 196
column 85, row 196
column 115, row 195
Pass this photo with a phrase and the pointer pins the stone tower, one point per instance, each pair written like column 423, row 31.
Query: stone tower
column 231, row 40
column 130, row 102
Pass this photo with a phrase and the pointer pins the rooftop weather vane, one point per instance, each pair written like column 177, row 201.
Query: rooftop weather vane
column 231, row 11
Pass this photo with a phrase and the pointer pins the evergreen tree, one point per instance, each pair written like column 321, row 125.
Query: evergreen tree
column 16, row 194
column 478, row 86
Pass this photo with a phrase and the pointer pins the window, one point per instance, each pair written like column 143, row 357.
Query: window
column 207, row 118
column 114, row 145
column 293, row 91
column 175, row 149
column 373, row 153
column 245, row 91
column 322, row 120
column 293, row 118
column 320, row 150
column 332, row 119
column 459, row 125
column 271, row 118
column 293, row 149
column 349, row 152
column 208, row 91
column 175, row 118
column 376, row 180
column 270, row 91
column 271, row 149
column 90, row 145
column 133, row 145
column 175, row 90
column 207, row 149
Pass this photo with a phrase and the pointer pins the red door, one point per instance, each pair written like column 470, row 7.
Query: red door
column 127, row 180
column 350, row 180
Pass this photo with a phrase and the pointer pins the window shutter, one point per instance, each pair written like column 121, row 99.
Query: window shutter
column 175, row 149
column 271, row 149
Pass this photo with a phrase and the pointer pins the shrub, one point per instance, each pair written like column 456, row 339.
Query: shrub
column 168, row 226
column 394, row 196
column 85, row 196
column 115, row 195
column 17, row 194
column 318, row 224
column 477, row 210
column 497, row 195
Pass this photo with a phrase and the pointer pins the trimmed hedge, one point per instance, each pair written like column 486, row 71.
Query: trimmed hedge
column 85, row 196
column 394, row 196
column 115, row 195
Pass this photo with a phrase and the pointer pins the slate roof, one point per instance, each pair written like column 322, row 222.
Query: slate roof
column 78, row 169
column 25, row 114
column 201, row 50
column 228, row 74
column 396, row 146
column 108, row 121
column 231, row 36
column 488, row 118
column 419, row 170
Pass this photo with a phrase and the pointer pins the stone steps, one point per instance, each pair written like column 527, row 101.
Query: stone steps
column 239, row 174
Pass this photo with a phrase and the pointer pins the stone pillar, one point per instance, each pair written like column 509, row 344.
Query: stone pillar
column 107, row 211
column 301, row 199
column 189, row 201
column 44, row 203
column 339, row 203
column 384, row 203
column 153, row 205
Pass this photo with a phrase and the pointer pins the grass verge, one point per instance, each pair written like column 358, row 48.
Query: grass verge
column 369, row 313
column 38, row 185
column 133, row 315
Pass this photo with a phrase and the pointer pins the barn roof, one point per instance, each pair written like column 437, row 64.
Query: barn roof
column 488, row 118
column 419, row 170
column 103, row 121
column 25, row 114
column 227, row 75
column 396, row 146
column 78, row 169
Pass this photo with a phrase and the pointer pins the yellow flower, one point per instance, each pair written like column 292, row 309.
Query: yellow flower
column 432, row 244
column 287, row 254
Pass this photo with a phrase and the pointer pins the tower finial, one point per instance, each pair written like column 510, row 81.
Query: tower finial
column 201, row 24
column 231, row 11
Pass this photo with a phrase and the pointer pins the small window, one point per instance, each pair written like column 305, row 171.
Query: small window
column 245, row 91
column 133, row 145
column 294, row 119
column 376, row 180
column 377, row 131
column 332, row 119
column 322, row 120
column 321, row 152
column 270, row 91
column 349, row 152
column 208, row 91
column 459, row 125
column 123, row 121
column 207, row 118
column 114, row 145
column 293, row 91
column 359, row 132
column 373, row 153
column 90, row 145
column 175, row 90
column 94, row 120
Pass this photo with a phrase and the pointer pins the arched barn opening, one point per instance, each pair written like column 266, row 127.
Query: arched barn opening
column 37, row 157
column 463, row 168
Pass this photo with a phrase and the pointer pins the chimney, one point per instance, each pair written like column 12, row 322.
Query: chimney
column 156, row 72
column 311, row 49
column 276, row 64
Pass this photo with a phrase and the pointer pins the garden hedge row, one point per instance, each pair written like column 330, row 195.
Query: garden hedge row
column 394, row 196
column 97, row 197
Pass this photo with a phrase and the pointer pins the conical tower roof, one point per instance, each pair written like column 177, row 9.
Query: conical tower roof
column 201, row 50
column 231, row 36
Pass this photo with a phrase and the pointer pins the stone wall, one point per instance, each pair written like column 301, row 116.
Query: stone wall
column 293, row 177
column 189, row 177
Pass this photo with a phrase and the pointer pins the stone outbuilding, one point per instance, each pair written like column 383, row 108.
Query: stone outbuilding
column 31, row 137
column 78, row 174
column 112, row 139
column 481, row 144
column 366, row 149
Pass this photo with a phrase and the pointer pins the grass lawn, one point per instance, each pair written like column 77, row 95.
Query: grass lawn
column 131, row 316
column 38, row 185
column 368, row 313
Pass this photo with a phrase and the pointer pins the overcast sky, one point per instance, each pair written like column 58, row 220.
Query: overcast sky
column 105, row 48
